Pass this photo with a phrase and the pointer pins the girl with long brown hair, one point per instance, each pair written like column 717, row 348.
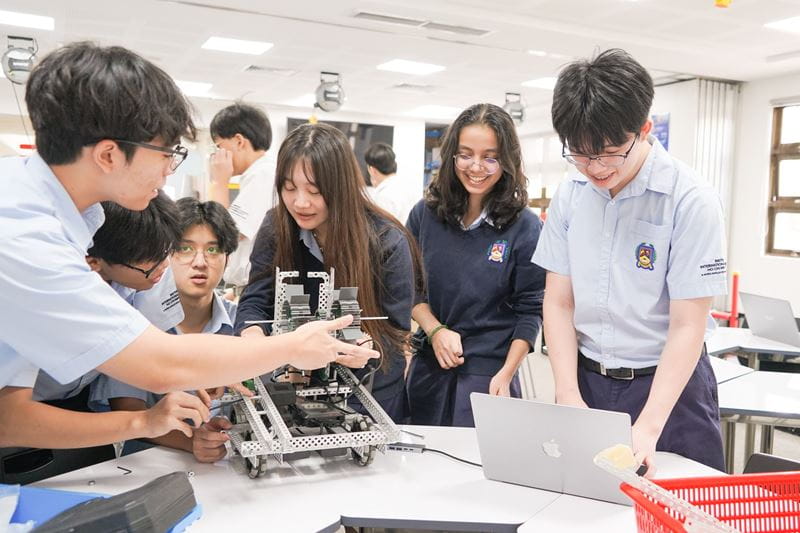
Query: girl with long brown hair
column 325, row 220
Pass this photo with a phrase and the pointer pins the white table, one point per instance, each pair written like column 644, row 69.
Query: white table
column 570, row 514
column 409, row 490
column 742, row 340
column 727, row 370
column 761, row 398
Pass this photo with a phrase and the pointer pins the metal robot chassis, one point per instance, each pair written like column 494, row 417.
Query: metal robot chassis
column 262, row 427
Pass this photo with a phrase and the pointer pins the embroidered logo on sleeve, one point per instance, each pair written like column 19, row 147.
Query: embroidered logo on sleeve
column 645, row 256
column 717, row 266
column 498, row 251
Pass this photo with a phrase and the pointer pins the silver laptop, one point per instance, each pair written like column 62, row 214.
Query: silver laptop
column 548, row 446
column 771, row 318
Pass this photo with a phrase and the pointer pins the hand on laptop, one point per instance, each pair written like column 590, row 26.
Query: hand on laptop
column 644, row 447
column 447, row 348
column 574, row 400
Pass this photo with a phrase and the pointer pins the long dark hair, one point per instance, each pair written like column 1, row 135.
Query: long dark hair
column 331, row 165
column 448, row 197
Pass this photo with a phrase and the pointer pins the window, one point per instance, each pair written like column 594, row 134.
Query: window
column 783, row 235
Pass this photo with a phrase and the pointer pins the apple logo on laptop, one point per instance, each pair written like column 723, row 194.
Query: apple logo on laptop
column 551, row 448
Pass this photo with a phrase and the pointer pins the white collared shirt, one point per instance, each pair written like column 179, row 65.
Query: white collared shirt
column 396, row 196
column 255, row 198
column 478, row 221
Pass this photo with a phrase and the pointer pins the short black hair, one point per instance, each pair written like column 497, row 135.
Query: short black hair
column 215, row 216
column 601, row 101
column 251, row 122
column 83, row 93
column 381, row 156
column 131, row 237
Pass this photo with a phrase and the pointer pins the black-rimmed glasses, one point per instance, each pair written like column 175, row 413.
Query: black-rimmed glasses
column 151, row 269
column 179, row 153
column 580, row 160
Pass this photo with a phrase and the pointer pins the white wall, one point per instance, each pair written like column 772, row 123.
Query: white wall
column 768, row 275
column 541, row 150
column 409, row 133
column 680, row 101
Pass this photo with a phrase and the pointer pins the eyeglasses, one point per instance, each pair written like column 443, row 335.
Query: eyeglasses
column 580, row 160
column 179, row 153
column 465, row 162
column 151, row 269
column 185, row 254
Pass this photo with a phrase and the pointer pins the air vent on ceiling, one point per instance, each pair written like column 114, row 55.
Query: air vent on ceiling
column 418, row 23
column 794, row 54
column 285, row 72
column 450, row 28
column 413, row 88
column 389, row 19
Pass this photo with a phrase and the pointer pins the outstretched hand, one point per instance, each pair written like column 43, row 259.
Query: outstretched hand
column 316, row 347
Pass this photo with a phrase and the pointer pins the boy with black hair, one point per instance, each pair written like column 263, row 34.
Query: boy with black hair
column 131, row 253
column 388, row 191
column 207, row 236
column 107, row 124
column 634, row 246
column 242, row 135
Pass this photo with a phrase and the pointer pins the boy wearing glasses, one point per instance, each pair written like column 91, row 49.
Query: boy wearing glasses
column 207, row 235
column 634, row 247
column 130, row 252
column 106, row 123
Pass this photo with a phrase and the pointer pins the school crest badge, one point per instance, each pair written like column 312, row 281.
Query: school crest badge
column 645, row 256
column 498, row 251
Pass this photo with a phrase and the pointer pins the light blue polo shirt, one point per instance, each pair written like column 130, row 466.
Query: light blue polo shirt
column 661, row 238
column 160, row 305
column 223, row 313
column 58, row 315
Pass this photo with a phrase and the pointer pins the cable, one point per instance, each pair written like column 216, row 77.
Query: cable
column 434, row 450
column 19, row 107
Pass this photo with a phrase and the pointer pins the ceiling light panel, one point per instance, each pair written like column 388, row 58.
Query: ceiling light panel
column 27, row 20
column 193, row 88
column 791, row 25
column 405, row 66
column 237, row 46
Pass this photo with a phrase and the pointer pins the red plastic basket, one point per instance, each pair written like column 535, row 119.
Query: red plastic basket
column 750, row 502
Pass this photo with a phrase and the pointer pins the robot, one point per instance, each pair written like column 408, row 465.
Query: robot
column 296, row 412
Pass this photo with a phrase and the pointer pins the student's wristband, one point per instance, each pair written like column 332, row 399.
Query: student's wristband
column 435, row 330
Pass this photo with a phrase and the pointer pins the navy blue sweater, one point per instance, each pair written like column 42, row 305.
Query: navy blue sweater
column 482, row 284
column 396, row 292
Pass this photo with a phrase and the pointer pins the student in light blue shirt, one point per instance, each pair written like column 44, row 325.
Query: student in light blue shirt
column 107, row 124
column 208, row 235
column 634, row 248
column 130, row 252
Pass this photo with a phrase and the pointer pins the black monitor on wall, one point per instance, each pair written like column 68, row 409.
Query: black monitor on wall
column 361, row 136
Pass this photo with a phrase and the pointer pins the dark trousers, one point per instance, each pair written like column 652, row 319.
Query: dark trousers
column 439, row 397
column 692, row 430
